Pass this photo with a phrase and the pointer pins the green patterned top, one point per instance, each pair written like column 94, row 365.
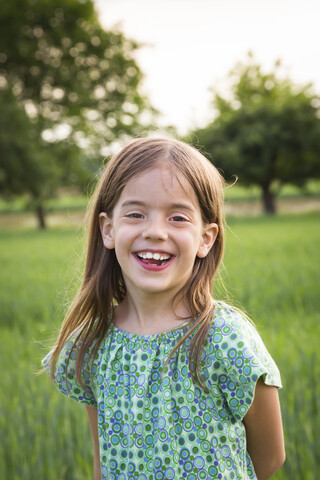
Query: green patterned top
column 159, row 425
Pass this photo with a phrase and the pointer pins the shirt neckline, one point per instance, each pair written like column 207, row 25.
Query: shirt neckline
column 169, row 332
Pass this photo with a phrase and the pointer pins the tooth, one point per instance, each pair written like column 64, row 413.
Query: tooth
column 154, row 256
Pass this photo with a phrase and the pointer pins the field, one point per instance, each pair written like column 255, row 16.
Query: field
column 271, row 270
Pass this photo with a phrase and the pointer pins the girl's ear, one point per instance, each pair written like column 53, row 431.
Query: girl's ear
column 209, row 236
column 106, row 230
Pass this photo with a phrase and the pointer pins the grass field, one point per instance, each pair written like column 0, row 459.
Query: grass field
column 238, row 192
column 272, row 270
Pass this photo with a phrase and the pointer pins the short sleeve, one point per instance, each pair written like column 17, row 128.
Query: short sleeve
column 241, row 358
column 70, row 386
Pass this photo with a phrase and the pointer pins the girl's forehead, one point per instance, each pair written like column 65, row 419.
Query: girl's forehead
column 160, row 180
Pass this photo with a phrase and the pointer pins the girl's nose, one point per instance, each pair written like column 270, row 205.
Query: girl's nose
column 155, row 229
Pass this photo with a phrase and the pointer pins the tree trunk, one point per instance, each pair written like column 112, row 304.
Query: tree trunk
column 41, row 217
column 268, row 199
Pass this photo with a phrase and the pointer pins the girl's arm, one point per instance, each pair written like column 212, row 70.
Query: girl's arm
column 93, row 421
column 265, row 442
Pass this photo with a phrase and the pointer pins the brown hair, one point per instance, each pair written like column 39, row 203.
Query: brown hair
column 91, row 312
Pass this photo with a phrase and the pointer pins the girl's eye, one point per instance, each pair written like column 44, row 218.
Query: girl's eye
column 134, row 215
column 178, row 218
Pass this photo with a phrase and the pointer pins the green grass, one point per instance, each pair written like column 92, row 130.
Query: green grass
column 239, row 192
column 60, row 203
column 235, row 193
column 271, row 270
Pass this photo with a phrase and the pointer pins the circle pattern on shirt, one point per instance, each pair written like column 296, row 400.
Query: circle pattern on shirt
column 156, row 424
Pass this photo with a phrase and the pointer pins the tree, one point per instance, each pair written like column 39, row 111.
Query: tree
column 28, row 165
column 266, row 132
column 78, row 84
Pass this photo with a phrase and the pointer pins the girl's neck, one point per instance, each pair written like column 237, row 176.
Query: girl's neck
column 146, row 318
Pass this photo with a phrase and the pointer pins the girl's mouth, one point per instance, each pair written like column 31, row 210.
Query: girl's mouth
column 153, row 259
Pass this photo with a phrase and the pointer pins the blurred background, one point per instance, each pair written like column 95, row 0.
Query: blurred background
column 79, row 79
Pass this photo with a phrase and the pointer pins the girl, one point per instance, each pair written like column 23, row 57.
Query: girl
column 176, row 384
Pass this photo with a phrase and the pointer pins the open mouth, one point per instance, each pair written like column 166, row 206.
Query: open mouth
column 152, row 258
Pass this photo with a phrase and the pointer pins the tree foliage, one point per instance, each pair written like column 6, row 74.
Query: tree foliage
column 28, row 165
column 78, row 84
column 266, row 131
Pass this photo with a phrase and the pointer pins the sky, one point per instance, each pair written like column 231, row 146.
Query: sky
column 191, row 45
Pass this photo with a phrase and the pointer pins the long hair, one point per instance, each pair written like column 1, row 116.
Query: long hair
column 90, row 315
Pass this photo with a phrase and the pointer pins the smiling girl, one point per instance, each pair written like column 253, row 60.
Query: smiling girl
column 177, row 385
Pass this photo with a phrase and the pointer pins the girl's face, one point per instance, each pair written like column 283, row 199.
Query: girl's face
column 157, row 232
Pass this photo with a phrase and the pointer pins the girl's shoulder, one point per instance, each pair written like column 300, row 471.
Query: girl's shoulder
column 65, row 377
column 235, row 357
column 227, row 318
column 233, row 333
